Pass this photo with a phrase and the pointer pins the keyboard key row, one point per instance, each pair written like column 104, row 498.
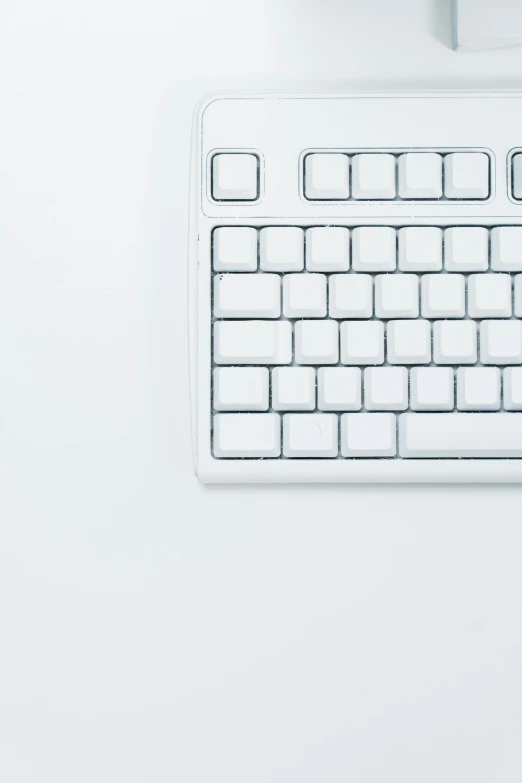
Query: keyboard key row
column 383, row 176
column 366, row 435
column 312, row 295
column 258, row 435
column 360, row 343
column 367, row 249
column 385, row 389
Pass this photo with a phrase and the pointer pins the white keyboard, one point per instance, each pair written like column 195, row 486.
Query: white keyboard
column 356, row 288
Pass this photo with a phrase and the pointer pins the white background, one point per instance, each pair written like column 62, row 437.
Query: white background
column 152, row 629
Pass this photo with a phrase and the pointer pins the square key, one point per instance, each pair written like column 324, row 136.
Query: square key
column 420, row 249
column 466, row 249
column 316, row 342
column 304, row 296
column 327, row 176
column 310, row 435
column 281, row 249
column 373, row 249
column 327, row 249
column 362, row 342
column 489, row 296
column 397, row 296
column 234, row 249
column 409, row 342
column 351, row 296
column 443, row 296
column 293, row 388
column 235, row 177
column 386, row 388
column 506, row 249
column 368, row 435
column 466, row 175
column 339, row 388
column 373, row 176
column 420, row 175
column 454, row 342
column 501, row 342
column 478, row 389
column 432, row 388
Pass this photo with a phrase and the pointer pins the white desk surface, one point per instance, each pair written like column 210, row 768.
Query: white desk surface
column 153, row 630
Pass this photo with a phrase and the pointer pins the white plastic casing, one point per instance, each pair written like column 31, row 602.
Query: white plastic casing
column 280, row 130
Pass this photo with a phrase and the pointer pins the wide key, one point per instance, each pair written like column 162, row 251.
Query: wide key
column 247, row 435
column 423, row 435
column 247, row 296
column 252, row 342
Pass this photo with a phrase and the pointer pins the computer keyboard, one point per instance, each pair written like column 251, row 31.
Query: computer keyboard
column 355, row 273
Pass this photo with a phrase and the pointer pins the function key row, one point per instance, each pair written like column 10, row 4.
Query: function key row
column 384, row 176
column 367, row 249
column 369, row 176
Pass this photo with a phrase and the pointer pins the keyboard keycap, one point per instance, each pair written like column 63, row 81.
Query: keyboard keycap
column 373, row 249
column 362, row 342
column 466, row 249
column 454, row 342
column 420, row 175
column 310, row 435
column 235, row 249
column 339, row 388
column 432, row 389
column 517, row 176
column 501, row 342
column 489, row 296
column 281, row 249
column 252, row 342
column 397, row 296
column 316, row 342
column 488, row 435
column 443, row 296
column 420, row 249
column 506, row 249
column 327, row 249
column 351, row 296
column 368, row 435
column 466, row 175
column 373, row 176
column 247, row 296
column 386, row 388
column 478, row 389
column 409, row 342
column 247, row 435
column 327, row 176
column 304, row 296
column 241, row 389
column 513, row 388
column 293, row 389
column 235, row 177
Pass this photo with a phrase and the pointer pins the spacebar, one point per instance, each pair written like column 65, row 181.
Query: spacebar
column 460, row 435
